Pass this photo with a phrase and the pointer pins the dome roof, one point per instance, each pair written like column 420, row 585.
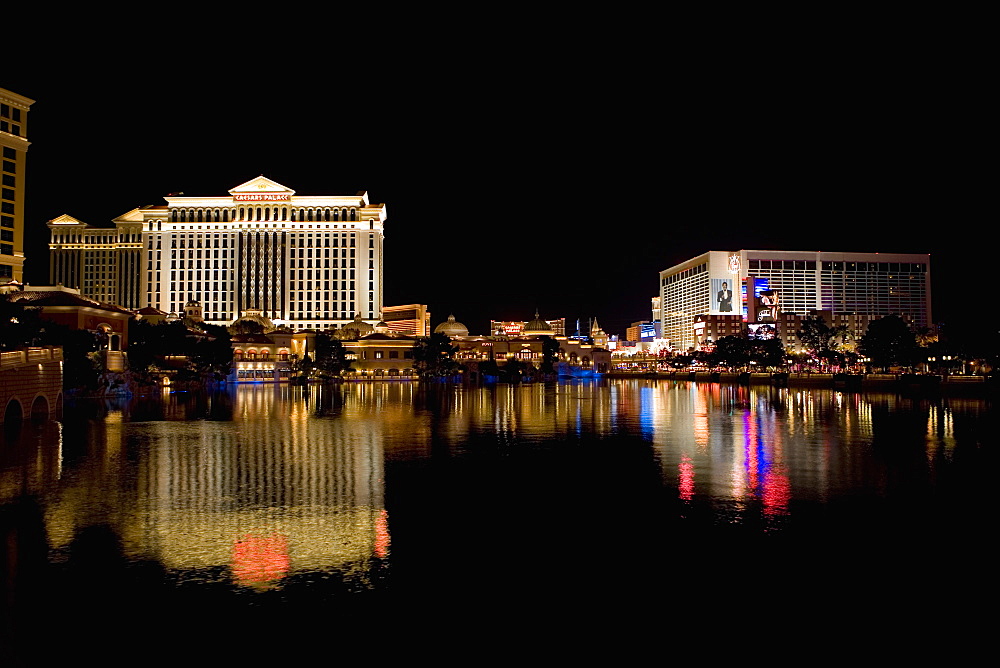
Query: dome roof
column 358, row 325
column 253, row 315
column 452, row 327
column 537, row 326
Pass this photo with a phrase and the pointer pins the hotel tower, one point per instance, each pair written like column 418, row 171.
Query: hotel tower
column 854, row 288
column 14, row 147
column 306, row 261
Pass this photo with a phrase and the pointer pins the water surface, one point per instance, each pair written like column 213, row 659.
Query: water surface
column 262, row 505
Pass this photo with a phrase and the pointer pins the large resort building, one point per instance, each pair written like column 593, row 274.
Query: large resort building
column 850, row 288
column 303, row 261
column 13, row 152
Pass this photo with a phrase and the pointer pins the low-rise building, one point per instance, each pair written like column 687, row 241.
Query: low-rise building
column 381, row 355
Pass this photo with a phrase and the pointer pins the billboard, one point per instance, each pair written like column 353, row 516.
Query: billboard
column 763, row 305
column 762, row 331
column 767, row 306
column 723, row 290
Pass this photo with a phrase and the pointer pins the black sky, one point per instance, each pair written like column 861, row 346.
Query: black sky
column 561, row 177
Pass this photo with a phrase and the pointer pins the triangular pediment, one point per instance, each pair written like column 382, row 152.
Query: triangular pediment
column 261, row 185
column 65, row 219
column 133, row 216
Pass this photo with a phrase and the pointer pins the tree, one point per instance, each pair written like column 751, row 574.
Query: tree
column 434, row 356
column 514, row 369
column 550, row 353
column 888, row 342
column 213, row 355
column 331, row 356
column 81, row 368
column 768, row 353
column 732, row 351
column 303, row 366
column 822, row 341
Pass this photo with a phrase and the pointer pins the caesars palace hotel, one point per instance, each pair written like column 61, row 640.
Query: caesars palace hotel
column 304, row 260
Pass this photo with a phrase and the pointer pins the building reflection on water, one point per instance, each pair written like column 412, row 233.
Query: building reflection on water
column 271, row 493
column 264, row 484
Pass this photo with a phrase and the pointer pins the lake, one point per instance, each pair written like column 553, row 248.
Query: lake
column 368, row 506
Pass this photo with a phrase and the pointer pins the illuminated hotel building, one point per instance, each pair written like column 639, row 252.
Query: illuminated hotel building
column 102, row 263
column 853, row 287
column 307, row 261
column 13, row 147
column 411, row 319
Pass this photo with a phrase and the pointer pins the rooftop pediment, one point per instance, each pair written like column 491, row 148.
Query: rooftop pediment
column 133, row 216
column 65, row 219
column 261, row 186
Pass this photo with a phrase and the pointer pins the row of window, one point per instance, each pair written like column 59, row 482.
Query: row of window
column 7, row 207
column 686, row 274
column 263, row 213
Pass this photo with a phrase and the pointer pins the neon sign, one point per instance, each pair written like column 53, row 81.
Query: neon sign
column 263, row 197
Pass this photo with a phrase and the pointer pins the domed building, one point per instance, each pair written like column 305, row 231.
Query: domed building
column 251, row 315
column 354, row 330
column 537, row 327
column 452, row 328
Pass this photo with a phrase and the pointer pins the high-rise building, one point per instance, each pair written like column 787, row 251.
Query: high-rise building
column 102, row 263
column 302, row 260
column 14, row 147
column 852, row 287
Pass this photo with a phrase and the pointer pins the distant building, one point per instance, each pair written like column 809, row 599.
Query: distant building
column 516, row 327
column 597, row 335
column 859, row 286
column 103, row 263
column 14, row 147
column 644, row 330
column 574, row 356
column 452, row 327
column 411, row 319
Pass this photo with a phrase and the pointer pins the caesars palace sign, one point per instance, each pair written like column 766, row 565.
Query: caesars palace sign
column 262, row 197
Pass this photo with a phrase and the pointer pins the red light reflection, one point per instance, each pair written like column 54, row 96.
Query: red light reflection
column 260, row 560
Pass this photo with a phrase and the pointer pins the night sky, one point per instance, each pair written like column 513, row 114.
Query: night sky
column 561, row 178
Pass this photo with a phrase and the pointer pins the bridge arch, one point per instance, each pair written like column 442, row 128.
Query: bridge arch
column 40, row 409
column 13, row 411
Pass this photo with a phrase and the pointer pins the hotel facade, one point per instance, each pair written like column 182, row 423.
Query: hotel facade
column 853, row 288
column 13, row 152
column 305, row 261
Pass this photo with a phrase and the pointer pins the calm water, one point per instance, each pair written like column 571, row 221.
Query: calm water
column 245, row 510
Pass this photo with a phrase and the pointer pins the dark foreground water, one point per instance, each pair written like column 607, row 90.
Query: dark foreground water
column 251, row 523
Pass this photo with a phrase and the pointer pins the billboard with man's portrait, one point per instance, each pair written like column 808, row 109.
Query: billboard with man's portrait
column 725, row 297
